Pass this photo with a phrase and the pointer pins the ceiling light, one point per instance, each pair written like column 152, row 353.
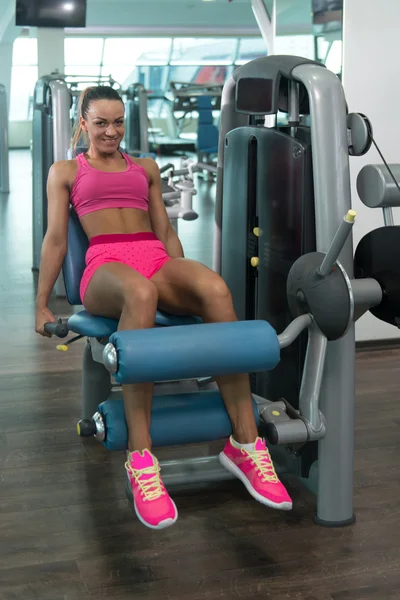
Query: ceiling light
column 68, row 6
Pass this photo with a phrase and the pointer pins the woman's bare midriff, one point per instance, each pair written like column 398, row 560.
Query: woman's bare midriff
column 116, row 220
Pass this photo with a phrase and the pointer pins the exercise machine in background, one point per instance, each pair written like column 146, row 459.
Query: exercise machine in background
column 202, row 99
column 378, row 253
column 4, row 159
column 78, row 82
column 141, row 135
column 187, row 100
column 51, row 135
column 136, row 139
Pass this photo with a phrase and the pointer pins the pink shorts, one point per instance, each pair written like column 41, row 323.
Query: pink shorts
column 143, row 252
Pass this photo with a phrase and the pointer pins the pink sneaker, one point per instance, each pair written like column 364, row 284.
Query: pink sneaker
column 255, row 469
column 153, row 506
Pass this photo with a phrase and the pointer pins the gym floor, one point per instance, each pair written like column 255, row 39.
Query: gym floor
column 66, row 529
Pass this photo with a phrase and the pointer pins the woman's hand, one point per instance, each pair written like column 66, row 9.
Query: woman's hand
column 43, row 315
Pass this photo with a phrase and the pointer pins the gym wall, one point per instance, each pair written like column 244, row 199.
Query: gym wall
column 371, row 47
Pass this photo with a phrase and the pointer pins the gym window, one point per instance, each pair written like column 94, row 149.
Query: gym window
column 24, row 75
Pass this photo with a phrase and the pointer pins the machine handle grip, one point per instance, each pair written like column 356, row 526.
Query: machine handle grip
column 188, row 215
column 337, row 244
column 166, row 167
column 59, row 329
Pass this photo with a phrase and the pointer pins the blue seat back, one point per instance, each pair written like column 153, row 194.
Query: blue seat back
column 207, row 132
column 204, row 108
column 74, row 261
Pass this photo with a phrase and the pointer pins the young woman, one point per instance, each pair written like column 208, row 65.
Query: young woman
column 134, row 265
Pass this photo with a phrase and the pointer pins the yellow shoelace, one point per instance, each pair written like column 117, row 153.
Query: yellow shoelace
column 151, row 487
column 262, row 460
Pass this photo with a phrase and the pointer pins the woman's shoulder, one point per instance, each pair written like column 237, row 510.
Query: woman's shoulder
column 64, row 171
column 65, row 166
column 148, row 164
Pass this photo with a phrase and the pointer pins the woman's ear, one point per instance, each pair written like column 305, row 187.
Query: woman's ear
column 83, row 124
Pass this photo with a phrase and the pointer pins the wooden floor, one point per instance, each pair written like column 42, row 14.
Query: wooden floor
column 66, row 530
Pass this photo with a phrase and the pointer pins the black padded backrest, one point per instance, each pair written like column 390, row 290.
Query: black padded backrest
column 378, row 256
column 74, row 261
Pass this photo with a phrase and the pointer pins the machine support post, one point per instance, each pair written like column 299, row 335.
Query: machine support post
column 388, row 218
column 293, row 114
column 293, row 330
column 367, row 293
column 61, row 98
column 312, row 378
column 4, row 160
column 144, row 125
column 230, row 119
column 332, row 194
column 96, row 383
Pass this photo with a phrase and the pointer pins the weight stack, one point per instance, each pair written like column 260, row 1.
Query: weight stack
column 268, row 213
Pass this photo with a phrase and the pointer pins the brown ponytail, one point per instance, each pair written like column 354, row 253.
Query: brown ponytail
column 100, row 92
column 78, row 131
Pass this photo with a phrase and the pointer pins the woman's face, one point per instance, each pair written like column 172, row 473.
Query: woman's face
column 104, row 124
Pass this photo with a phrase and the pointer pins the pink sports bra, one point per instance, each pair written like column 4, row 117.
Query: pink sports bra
column 95, row 190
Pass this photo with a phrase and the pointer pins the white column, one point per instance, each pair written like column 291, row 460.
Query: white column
column 266, row 22
column 50, row 50
column 371, row 49
column 6, row 49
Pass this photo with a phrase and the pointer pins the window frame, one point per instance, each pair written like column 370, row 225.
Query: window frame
column 167, row 65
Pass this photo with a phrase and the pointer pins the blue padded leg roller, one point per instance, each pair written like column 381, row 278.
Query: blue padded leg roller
column 189, row 351
column 176, row 419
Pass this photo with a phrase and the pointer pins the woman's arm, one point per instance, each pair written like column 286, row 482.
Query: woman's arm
column 55, row 241
column 158, row 214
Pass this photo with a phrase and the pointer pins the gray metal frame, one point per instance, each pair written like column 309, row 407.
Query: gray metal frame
column 332, row 201
column 144, row 125
column 141, row 95
column 312, row 381
column 229, row 119
column 201, row 470
column 376, row 186
column 379, row 188
column 96, row 380
column 60, row 135
column 61, row 103
column 332, row 195
column 4, row 158
column 366, row 293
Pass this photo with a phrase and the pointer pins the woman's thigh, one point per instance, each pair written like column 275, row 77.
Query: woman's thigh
column 185, row 286
column 109, row 288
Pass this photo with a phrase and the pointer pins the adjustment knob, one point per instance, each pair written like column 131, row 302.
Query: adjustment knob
column 254, row 261
column 256, row 231
column 86, row 428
